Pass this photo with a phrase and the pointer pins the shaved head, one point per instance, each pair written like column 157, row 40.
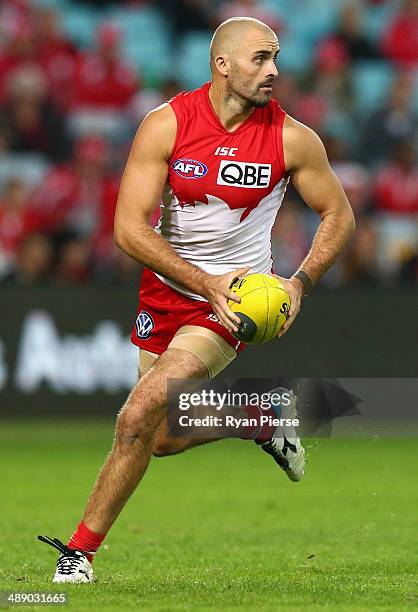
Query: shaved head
column 243, row 52
column 228, row 37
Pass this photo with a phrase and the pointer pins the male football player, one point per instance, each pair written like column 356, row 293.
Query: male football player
column 227, row 152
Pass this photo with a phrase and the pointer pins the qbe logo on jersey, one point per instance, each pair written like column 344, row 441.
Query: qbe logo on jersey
column 144, row 325
column 242, row 174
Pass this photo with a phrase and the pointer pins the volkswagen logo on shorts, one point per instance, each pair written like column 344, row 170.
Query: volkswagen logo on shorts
column 144, row 325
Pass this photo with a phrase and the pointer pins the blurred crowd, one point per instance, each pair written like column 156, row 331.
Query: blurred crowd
column 68, row 113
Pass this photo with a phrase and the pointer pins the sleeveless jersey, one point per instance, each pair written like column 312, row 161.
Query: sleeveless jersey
column 225, row 187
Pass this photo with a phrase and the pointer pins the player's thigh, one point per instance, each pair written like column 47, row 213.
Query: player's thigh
column 149, row 396
column 212, row 350
column 214, row 353
column 173, row 363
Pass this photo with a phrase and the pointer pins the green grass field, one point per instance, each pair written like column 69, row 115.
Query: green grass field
column 219, row 527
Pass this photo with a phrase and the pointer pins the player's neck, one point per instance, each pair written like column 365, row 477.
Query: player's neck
column 231, row 112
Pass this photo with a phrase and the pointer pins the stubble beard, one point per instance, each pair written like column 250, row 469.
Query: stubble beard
column 246, row 100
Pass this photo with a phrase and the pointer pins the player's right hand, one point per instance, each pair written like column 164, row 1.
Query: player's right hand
column 217, row 290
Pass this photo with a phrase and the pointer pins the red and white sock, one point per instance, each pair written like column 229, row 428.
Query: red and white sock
column 86, row 540
column 260, row 433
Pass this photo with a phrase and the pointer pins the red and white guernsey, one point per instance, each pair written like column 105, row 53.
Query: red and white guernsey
column 226, row 187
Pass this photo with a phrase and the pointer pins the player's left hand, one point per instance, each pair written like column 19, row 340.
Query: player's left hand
column 295, row 290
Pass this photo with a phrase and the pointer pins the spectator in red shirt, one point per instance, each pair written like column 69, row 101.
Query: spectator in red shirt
column 102, row 79
column 81, row 196
column 14, row 15
column 396, row 197
column 332, row 79
column 19, row 51
column 396, row 186
column 16, row 221
column 56, row 55
column 400, row 42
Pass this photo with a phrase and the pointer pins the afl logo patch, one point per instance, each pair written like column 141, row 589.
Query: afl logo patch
column 144, row 325
column 189, row 168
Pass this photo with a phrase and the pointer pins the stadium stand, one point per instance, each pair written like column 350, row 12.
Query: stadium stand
column 98, row 67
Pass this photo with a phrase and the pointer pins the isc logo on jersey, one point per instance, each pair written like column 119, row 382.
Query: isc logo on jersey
column 242, row 174
column 189, row 168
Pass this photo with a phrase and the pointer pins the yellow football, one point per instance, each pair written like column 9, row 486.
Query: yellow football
column 263, row 309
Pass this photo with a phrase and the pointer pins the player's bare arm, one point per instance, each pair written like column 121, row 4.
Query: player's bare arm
column 313, row 178
column 140, row 192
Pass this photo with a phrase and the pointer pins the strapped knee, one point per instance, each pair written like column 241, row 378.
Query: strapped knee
column 212, row 350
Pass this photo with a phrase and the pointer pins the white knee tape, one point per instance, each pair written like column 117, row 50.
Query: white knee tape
column 212, row 350
column 146, row 361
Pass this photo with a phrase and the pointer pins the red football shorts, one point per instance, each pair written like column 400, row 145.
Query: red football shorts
column 162, row 311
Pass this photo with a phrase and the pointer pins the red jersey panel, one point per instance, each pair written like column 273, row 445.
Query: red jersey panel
column 226, row 187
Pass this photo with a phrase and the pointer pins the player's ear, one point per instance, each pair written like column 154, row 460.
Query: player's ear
column 222, row 64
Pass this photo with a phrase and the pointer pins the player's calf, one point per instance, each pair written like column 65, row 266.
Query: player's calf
column 166, row 446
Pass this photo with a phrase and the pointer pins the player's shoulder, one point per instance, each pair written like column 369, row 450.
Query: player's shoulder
column 188, row 99
column 187, row 103
column 299, row 134
column 157, row 132
column 160, row 121
column 160, row 117
column 167, row 114
column 301, row 144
